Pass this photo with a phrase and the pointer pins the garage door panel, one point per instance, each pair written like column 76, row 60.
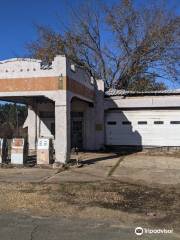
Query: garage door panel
column 150, row 134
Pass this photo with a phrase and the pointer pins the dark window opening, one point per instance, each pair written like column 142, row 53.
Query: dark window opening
column 158, row 122
column 111, row 123
column 142, row 122
column 126, row 123
column 77, row 114
column 47, row 114
column 174, row 122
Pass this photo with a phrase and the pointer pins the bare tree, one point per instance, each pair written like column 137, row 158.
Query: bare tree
column 47, row 46
column 129, row 47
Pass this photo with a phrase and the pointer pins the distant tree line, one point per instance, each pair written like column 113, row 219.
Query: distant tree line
column 12, row 118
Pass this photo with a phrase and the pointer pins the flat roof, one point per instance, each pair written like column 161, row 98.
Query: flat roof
column 120, row 92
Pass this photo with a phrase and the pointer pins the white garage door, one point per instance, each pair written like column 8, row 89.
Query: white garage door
column 143, row 127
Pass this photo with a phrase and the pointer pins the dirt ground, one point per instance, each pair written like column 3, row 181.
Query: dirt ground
column 130, row 204
column 99, row 194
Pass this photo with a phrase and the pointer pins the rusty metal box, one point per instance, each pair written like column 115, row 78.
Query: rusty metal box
column 18, row 153
column 44, row 153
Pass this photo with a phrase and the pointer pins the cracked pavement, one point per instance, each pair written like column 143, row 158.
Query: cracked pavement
column 14, row 226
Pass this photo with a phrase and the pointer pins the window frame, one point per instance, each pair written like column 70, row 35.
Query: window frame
column 158, row 122
column 174, row 122
column 127, row 123
column 142, row 123
column 112, row 123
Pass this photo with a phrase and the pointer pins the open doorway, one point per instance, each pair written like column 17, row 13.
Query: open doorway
column 77, row 129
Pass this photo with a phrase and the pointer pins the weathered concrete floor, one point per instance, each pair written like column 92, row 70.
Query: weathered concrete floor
column 155, row 170
column 135, row 168
column 25, row 174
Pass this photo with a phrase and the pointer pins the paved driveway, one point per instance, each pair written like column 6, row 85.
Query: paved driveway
column 17, row 227
column 155, row 170
column 14, row 175
column 134, row 168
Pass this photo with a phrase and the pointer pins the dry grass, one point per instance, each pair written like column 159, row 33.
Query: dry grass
column 113, row 200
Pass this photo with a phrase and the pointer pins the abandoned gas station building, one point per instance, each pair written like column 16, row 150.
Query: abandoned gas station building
column 67, row 105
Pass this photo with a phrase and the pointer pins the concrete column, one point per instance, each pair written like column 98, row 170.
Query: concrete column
column 31, row 123
column 99, row 114
column 90, row 140
column 62, row 130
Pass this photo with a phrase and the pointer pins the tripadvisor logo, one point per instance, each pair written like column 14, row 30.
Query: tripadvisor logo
column 139, row 231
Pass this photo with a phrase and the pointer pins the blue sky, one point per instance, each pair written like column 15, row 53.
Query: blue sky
column 17, row 19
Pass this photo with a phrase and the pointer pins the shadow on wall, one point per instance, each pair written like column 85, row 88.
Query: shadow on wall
column 119, row 133
column 46, row 122
column 47, row 127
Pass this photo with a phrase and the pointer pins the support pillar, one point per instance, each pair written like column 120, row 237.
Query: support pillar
column 62, row 130
column 99, row 115
column 31, row 123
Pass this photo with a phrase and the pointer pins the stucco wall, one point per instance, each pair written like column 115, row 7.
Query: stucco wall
column 25, row 80
column 31, row 68
column 141, row 102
